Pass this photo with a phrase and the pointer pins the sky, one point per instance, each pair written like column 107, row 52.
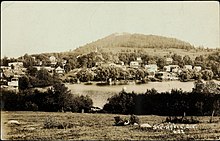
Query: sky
column 43, row 27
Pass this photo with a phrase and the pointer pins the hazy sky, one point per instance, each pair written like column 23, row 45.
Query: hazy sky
column 37, row 27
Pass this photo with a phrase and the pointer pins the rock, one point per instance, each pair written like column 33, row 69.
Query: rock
column 30, row 128
column 126, row 122
column 145, row 125
column 13, row 122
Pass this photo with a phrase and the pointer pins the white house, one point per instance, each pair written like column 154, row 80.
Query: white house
column 174, row 68
column 151, row 67
column 188, row 67
column 139, row 60
column 16, row 65
column 112, row 65
column 13, row 83
column 163, row 75
column 197, row 68
column 53, row 60
column 120, row 63
column 166, row 68
column 169, row 60
column 134, row 64
column 59, row 70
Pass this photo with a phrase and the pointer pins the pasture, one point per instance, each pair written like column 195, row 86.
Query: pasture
column 87, row 126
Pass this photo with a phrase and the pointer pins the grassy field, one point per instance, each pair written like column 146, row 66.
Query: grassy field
column 98, row 127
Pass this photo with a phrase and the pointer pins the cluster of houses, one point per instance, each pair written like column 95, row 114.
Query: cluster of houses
column 14, row 70
column 169, row 72
column 9, row 75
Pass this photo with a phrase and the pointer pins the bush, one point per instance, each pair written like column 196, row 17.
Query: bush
column 51, row 122
column 30, row 106
column 183, row 120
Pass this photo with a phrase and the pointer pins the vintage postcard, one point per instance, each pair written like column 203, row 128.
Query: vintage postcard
column 110, row 70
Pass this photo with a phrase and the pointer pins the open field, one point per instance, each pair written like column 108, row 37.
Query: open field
column 98, row 126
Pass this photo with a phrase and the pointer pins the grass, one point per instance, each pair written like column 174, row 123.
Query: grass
column 86, row 126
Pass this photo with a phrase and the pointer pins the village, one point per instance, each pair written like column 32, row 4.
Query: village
column 10, row 74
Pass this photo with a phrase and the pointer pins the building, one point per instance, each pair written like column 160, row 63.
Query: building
column 16, row 65
column 166, row 68
column 139, row 60
column 174, row 76
column 188, row 67
column 53, row 60
column 163, row 75
column 120, row 63
column 59, row 70
column 171, row 68
column 111, row 64
column 169, row 61
column 197, row 68
column 134, row 64
column 151, row 69
column 49, row 69
column 13, row 83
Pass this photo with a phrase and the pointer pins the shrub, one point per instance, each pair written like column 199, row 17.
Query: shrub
column 184, row 120
column 30, row 106
column 51, row 122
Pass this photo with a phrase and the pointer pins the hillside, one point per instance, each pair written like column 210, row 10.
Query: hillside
column 149, row 44
column 122, row 41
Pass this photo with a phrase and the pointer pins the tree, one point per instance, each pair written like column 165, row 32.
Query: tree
column 84, row 75
column 177, row 60
column 161, row 62
column 185, row 75
column 4, row 61
column 187, row 60
column 102, row 73
column 23, row 83
column 28, row 61
column 113, row 73
column 58, row 98
column 140, row 74
column 207, row 74
column 67, row 67
column 32, row 70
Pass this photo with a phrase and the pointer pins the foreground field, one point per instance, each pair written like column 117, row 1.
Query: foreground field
column 98, row 126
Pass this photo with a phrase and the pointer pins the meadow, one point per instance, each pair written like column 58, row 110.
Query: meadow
column 87, row 126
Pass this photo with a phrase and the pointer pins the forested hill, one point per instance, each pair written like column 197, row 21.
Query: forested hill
column 136, row 41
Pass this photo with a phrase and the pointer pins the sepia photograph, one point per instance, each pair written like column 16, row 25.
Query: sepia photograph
column 110, row 70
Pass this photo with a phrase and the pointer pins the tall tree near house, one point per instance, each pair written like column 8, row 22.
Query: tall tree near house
column 187, row 60
column 207, row 74
column 4, row 61
column 32, row 71
column 161, row 62
column 67, row 67
column 113, row 73
column 23, row 83
column 84, row 75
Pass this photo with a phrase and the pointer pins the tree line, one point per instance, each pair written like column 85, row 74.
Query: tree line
column 203, row 100
column 210, row 64
column 56, row 98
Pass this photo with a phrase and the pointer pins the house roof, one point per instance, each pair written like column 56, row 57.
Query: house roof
column 59, row 68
